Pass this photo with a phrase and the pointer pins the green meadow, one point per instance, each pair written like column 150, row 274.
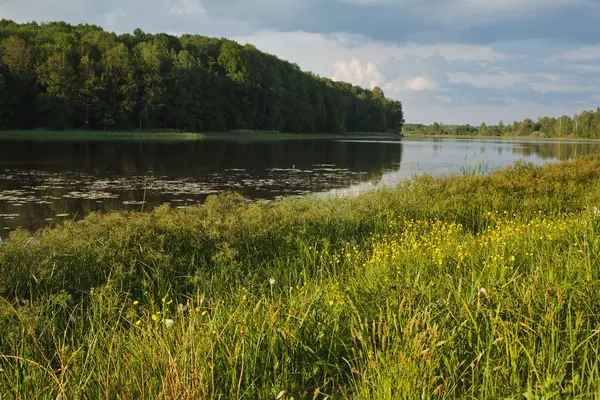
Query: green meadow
column 468, row 287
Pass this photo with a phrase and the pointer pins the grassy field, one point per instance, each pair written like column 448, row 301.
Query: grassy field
column 232, row 135
column 465, row 287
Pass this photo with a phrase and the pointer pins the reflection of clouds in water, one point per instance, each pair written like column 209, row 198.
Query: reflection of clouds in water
column 389, row 179
column 431, row 157
column 184, row 176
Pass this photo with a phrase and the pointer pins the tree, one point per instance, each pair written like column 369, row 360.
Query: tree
column 483, row 129
column 119, row 90
column 58, row 75
column 21, row 89
column 150, row 58
column 3, row 101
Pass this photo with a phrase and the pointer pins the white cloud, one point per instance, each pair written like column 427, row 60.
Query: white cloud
column 483, row 80
column 588, row 53
column 354, row 71
column 422, row 76
column 420, row 83
column 421, row 112
column 476, row 7
column 319, row 53
column 187, row 7
column 561, row 87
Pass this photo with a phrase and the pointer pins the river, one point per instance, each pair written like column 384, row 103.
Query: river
column 45, row 182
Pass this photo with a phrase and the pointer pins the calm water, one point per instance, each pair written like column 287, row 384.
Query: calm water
column 42, row 182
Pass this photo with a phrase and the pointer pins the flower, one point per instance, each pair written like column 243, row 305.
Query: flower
column 204, row 313
column 154, row 317
column 596, row 212
column 169, row 323
column 272, row 281
column 483, row 291
column 138, row 322
column 135, row 303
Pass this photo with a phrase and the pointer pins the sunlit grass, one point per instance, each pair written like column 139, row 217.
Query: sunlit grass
column 453, row 287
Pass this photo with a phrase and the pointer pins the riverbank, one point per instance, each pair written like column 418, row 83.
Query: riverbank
column 453, row 287
column 531, row 138
column 181, row 136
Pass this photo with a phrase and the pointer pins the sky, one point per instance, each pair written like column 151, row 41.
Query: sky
column 450, row 61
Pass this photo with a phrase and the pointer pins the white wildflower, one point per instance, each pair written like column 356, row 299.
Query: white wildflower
column 483, row 291
column 169, row 323
column 272, row 281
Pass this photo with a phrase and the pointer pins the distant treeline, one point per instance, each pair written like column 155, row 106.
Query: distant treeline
column 584, row 125
column 59, row 76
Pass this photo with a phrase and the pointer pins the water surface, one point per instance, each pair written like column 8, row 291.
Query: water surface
column 42, row 182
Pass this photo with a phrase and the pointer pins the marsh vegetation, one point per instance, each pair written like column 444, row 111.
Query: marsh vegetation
column 463, row 286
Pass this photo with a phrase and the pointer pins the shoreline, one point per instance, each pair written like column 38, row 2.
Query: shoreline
column 183, row 136
column 531, row 138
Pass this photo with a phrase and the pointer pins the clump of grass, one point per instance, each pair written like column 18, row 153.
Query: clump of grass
column 454, row 287
column 476, row 167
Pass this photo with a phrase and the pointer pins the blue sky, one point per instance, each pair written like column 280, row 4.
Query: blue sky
column 454, row 61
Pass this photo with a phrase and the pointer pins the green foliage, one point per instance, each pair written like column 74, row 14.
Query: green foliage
column 454, row 287
column 585, row 125
column 59, row 76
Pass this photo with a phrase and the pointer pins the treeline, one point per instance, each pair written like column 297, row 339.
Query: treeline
column 584, row 125
column 60, row 76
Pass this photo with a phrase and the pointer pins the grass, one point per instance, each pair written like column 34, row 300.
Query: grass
column 465, row 286
column 232, row 135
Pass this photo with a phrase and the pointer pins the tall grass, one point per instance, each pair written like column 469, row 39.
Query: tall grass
column 475, row 167
column 454, row 287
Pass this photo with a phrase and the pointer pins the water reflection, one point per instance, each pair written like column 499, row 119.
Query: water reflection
column 437, row 156
column 43, row 182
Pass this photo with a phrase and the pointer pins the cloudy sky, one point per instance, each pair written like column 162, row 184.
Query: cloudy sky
column 454, row 61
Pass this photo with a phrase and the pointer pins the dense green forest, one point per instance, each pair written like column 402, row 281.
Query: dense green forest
column 60, row 76
column 584, row 125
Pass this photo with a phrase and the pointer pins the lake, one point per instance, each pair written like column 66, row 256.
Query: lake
column 44, row 182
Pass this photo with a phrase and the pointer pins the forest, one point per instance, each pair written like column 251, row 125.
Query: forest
column 584, row 125
column 59, row 76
